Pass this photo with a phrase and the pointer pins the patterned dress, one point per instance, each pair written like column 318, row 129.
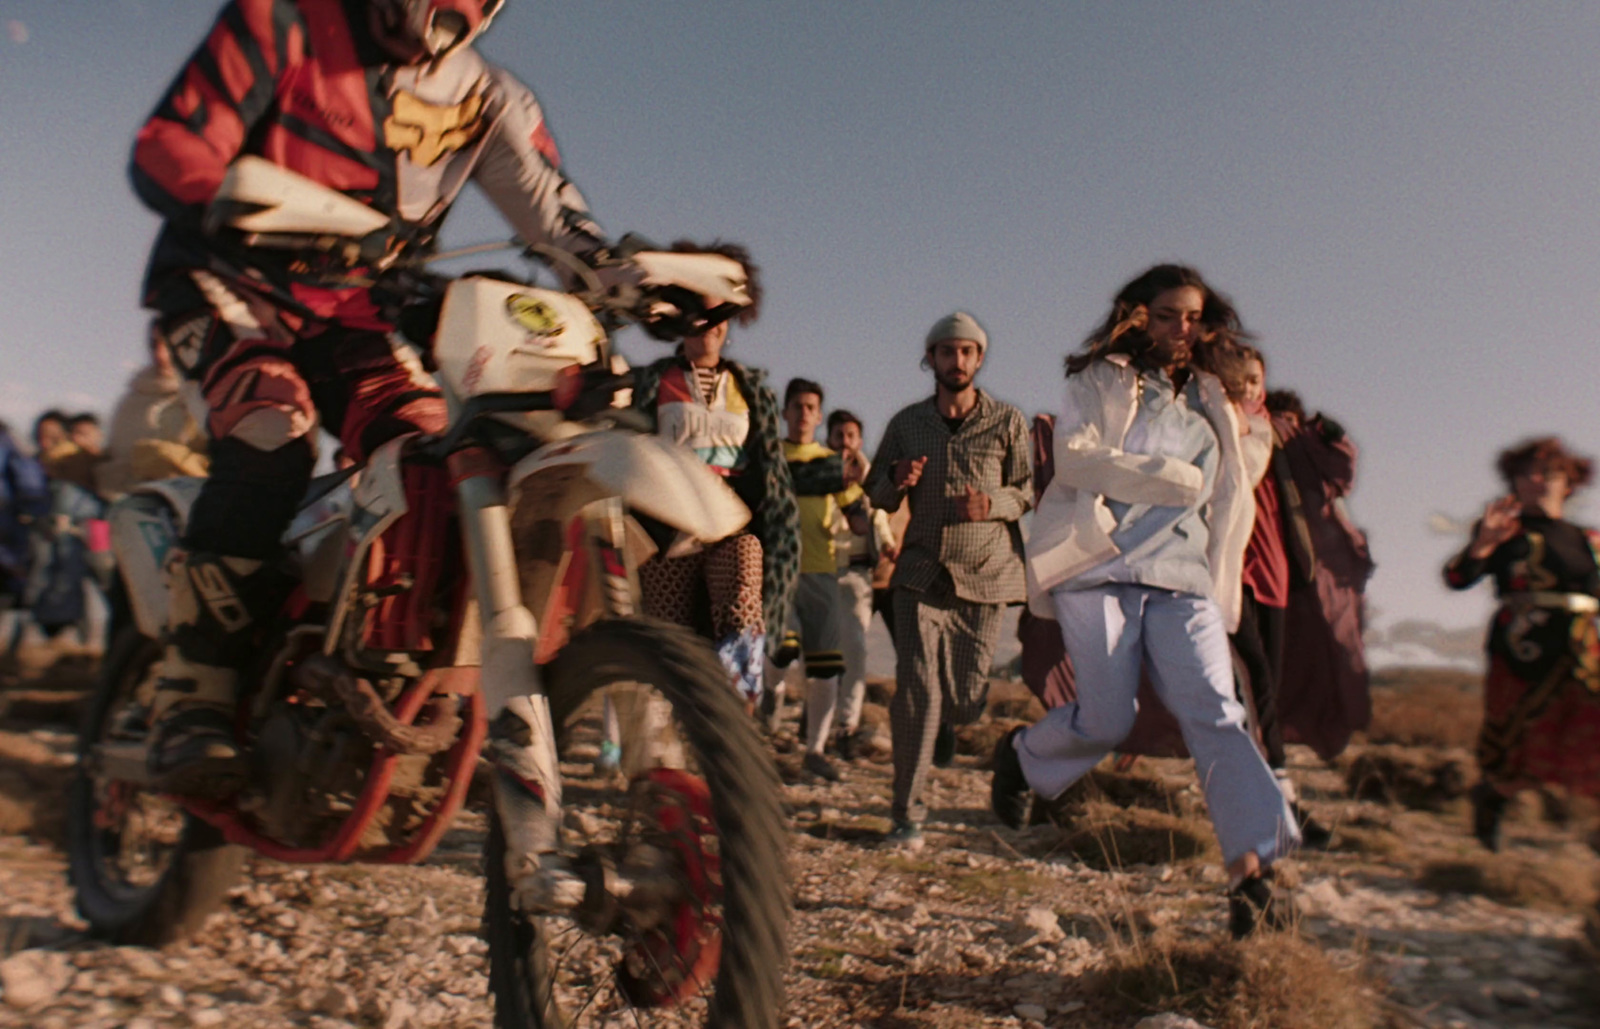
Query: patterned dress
column 1541, row 719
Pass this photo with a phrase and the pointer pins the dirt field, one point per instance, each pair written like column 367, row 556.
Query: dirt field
column 1118, row 917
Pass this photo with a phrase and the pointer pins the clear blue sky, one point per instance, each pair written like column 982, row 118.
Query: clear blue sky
column 1401, row 198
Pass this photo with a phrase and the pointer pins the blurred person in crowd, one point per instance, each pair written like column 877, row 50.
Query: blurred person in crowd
column 1046, row 666
column 85, row 431
column 864, row 541
column 152, row 435
column 1264, row 597
column 63, row 457
column 960, row 460
column 24, row 503
column 63, row 566
column 1133, row 551
column 1541, row 694
column 49, row 432
column 819, row 613
column 1324, row 695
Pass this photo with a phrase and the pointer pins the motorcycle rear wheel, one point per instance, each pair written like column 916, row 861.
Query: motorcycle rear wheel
column 737, row 977
column 143, row 871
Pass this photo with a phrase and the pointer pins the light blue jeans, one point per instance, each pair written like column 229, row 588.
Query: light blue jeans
column 1110, row 632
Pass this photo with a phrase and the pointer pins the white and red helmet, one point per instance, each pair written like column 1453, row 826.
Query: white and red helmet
column 435, row 27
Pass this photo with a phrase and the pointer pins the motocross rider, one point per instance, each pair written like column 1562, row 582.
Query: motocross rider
column 385, row 101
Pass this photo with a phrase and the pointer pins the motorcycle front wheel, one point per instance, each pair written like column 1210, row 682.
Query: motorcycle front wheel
column 717, row 958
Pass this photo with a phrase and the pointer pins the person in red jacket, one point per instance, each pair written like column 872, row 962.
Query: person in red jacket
column 386, row 102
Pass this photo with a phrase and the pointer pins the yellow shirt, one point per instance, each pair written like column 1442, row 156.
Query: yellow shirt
column 818, row 514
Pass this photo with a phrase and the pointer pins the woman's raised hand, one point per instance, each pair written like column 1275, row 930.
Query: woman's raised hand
column 1501, row 520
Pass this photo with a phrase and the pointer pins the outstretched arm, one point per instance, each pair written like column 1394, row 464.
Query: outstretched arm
column 520, row 172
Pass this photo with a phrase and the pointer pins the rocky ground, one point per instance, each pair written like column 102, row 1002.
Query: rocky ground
column 1405, row 922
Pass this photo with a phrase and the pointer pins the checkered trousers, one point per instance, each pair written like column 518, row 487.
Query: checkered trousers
column 944, row 647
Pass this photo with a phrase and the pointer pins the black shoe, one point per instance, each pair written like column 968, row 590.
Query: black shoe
column 820, row 766
column 788, row 650
column 1009, row 793
column 845, row 746
column 944, row 747
column 1313, row 834
column 194, row 754
column 1254, row 903
column 1488, row 807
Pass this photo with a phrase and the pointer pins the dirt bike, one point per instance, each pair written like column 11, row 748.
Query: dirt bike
column 419, row 575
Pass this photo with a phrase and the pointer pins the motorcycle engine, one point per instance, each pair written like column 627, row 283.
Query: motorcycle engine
column 308, row 761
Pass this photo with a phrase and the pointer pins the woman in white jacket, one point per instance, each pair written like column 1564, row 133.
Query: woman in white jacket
column 1136, row 549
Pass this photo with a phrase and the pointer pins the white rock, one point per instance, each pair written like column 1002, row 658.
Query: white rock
column 1169, row 1020
column 1041, row 925
column 1031, row 1012
column 32, row 977
column 208, row 1017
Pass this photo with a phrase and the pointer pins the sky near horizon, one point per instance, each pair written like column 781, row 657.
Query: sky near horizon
column 1399, row 198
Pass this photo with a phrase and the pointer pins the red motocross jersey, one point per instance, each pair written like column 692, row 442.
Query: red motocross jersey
column 303, row 83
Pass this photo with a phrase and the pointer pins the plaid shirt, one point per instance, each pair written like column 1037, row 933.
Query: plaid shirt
column 979, row 562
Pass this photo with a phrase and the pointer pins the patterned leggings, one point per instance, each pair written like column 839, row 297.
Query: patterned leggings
column 731, row 571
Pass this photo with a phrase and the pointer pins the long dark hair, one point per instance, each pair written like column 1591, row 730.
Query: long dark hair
column 1123, row 330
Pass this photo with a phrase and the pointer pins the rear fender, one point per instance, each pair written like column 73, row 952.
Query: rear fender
column 145, row 526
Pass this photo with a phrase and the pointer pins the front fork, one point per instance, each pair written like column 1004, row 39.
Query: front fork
column 543, row 880
column 510, row 679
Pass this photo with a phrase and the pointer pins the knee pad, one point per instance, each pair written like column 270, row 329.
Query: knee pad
column 250, row 498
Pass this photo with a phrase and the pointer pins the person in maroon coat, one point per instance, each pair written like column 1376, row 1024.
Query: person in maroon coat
column 1325, row 694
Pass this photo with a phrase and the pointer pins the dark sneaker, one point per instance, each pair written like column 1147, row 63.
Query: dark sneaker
column 905, row 835
column 194, row 754
column 1313, row 834
column 845, row 746
column 788, row 650
column 820, row 767
column 1255, row 903
column 1009, row 793
column 944, row 747
column 1488, row 807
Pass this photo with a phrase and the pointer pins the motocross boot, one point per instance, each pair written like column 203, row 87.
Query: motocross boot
column 541, row 878
column 215, row 606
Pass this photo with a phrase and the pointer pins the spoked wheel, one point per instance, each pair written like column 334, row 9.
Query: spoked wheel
column 144, row 871
column 699, row 938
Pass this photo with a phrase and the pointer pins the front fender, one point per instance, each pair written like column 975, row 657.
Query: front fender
column 654, row 477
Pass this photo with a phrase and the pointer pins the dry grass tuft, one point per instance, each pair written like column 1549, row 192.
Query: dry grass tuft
column 1277, row 981
column 1372, row 841
column 1547, row 881
column 1426, row 707
column 1107, row 836
column 979, row 738
column 1424, row 779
